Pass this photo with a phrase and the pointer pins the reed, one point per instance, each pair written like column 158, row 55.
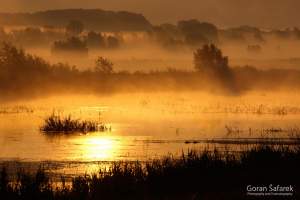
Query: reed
column 57, row 123
column 194, row 175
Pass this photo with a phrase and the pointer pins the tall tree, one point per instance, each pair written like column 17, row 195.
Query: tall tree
column 74, row 27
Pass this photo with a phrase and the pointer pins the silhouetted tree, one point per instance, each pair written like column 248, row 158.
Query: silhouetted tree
column 210, row 61
column 112, row 42
column 197, row 33
column 209, row 57
column 93, row 19
column 74, row 27
column 72, row 45
column 29, row 36
column 296, row 33
column 16, row 60
column 167, row 35
column 283, row 34
column 103, row 65
column 95, row 40
column 18, row 69
column 243, row 33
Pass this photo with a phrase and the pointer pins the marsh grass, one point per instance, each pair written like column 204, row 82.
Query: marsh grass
column 290, row 133
column 16, row 109
column 194, row 175
column 57, row 123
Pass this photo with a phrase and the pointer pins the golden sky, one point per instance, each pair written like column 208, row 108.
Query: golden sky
column 263, row 13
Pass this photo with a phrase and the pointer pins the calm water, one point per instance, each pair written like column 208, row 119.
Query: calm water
column 144, row 126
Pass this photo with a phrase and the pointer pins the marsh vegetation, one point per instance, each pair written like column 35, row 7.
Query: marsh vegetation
column 57, row 123
column 198, row 111
column 192, row 176
column 46, row 79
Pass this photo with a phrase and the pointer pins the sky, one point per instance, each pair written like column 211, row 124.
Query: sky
column 224, row 13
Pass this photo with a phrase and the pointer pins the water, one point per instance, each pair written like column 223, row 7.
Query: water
column 143, row 126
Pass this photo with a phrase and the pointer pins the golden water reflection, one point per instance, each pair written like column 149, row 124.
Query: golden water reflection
column 97, row 147
column 144, row 126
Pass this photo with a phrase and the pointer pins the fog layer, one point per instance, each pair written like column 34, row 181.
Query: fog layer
column 262, row 13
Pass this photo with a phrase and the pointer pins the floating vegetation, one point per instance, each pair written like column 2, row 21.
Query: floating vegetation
column 57, row 123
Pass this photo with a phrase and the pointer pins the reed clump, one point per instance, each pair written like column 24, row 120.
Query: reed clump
column 58, row 123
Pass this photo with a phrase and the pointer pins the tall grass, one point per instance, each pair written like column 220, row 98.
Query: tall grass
column 57, row 123
column 195, row 175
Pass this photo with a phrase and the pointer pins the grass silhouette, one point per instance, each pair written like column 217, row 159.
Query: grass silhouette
column 57, row 123
column 195, row 175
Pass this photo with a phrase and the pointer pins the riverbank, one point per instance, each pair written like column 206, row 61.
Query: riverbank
column 195, row 175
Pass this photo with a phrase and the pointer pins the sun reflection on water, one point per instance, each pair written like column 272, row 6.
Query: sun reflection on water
column 98, row 148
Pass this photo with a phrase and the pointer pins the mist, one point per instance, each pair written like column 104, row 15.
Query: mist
column 261, row 13
column 148, row 99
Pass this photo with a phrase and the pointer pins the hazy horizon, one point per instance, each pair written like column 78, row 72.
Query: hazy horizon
column 149, row 99
column 261, row 13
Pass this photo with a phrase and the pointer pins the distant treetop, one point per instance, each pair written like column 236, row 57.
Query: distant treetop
column 93, row 19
